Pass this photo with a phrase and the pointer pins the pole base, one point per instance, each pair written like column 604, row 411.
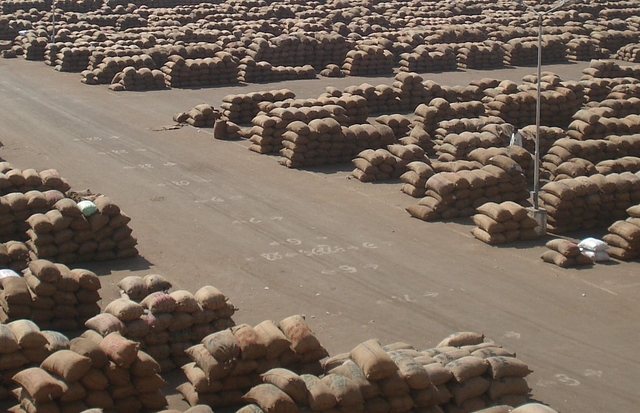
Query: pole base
column 540, row 215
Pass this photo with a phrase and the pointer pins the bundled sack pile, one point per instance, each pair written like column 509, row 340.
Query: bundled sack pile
column 200, row 116
column 439, row 109
column 428, row 59
column 251, row 71
column 503, row 223
column 452, row 194
column 221, row 69
column 132, row 79
column 14, row 255
column 67, row 56
column 92, row 372
column 356, row 107
column 414, row 180
column 94, row 229
column 241, row 108
column 629, row 52
column 380, row 98
column 368, row 60
column 101, row 72
column 13, row 179
column 565, row 254
column 384, row 164
column 468, row 134
column 588, row 202
column 51, row 295
column 523, row 51
column 164, row 324
column 623, row 237
column 455, row 376
column 581, row 49
column 602, row 121
column 514, row 152
column 229, row 363
column 484, row 55
column 410, row 89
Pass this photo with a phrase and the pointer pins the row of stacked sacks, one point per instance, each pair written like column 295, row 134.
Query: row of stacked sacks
column 33, row 44
column 600, row 122
column 565, row 254
column 384, row 164
column 94, row 229
column 368, row 60
column 13, row 179
column 51, row 295
column 517, row 104
column 221, row 69
column 623, row 236
column 200, row 116
column 581, row 49
column 67, row 57
column 226, row 365
column 399, row 124
column 411, row 90
column 485, row 55
column 132, row 79
column 104, row 71
column 439, row 109
column 609, row 69
column 503, row 223
column 588, row 202
column 251, row 71
column 241, row 108
column 86, row 372
column 271, row 123
column 14, row 255
column 428, row 59
column 479, row 133
column 629, row 53
column 380, row 98
column 514, row 152
column 164, row 323
column 463, row 373
column 523, row 51
column 453, row 194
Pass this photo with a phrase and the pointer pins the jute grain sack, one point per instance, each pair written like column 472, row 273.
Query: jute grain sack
column 494, row 211
column 462, row 338
column 13, row 361
column 124, row 309
column 147, row 384
column 41, row 386
column 473, row 387
column 133, row 286
column 45, row 270
column 350, row 370
column 144, row 365
column 500, row 367
column 270, row 399
column 120, row 350
column 67, row 364
column 156, row 282
column 210, row 297
column 199, row 380
column 394, row 386
column 95, row 379
column 273, row 338
column 88, row 280
column 8, row 341
column 491, row 239
column 106, row 323
column 159, row 302
column 564, row 247
column 27, row 334
column 251, row 347
column 40, row 223
column 401, row 403
column 222, row 345
column 346, row 392
column 626, row 230
column 488, row 224
column 493, row 352
column 508, row 385
column 289, row 382
column 554, row 257
column 375, row 363
column 466, row 367
column 15, row 291
column 411, row 371
column 185, row 301
column 213, row 369
column 320, row 397
column 71, row 392
column 299, row 334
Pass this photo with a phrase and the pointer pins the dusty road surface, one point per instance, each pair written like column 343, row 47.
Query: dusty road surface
column 346, row 254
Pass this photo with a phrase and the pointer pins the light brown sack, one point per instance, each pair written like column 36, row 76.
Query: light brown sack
column 40, row 385
column 320, row 396
column 270, row 399
column 273, row 338
column 298, row 332
column 375, row 363
column 120, row 350
column 67, row 364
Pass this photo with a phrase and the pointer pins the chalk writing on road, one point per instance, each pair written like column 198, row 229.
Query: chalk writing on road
column 315, row 251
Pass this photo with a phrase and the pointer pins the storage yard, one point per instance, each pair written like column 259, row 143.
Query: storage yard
column 314, row 206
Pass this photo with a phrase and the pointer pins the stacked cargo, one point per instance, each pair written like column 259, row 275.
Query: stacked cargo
column 132, row 79
column 503, row 223
column 241, row 108
column 428, row 59
column 368, row 61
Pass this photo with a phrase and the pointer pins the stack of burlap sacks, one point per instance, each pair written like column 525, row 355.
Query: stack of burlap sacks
column 51, row 295
column 14, row 255
column 428, row 59
column 200, row 116
column 13, row 179
column 484, row 55
column 503, row 223
column 452, row 194
column 164, row 324
column 399, row 124
column 523, row 51
column 241, row 108
column 64, row 234
column 384, row 164
column 565, row 254
column 516, row 153
column 227, row 364
column 380, row 98
column 411, row 90
column 495, row 127
column 462, row 374
column 251, row 71
column 104, row 71
column 629, row 53
column 623, row 236
column 132, row 79
column 609, row 69
column 67, row 57
column 221, row 69
column 34, row 44
column 581, row 49
column 88, row 372
column 439, row 109
column 368, row 60
column 414, row 180
column 588, row 202
column 356, row 106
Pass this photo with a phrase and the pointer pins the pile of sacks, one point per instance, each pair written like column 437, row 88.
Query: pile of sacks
column 67, row 57
column 630, row 53
column 200, row 116
column 609, row 69
column 452, row 194
column 241, row 108
column 439, row 109
column 600, row 123
column 13, row 179
column 623, row 237
column 132, row 79
column 251, row 71
column 399, row 124
column 565, row 254
column 485, row 55
column 581, row 49
column 410, row 90
column 94, row 229
column 51, row 295
column 90, row 372
column 456, row 146
column 368, row 60
column 380, row 98
column 428, row 59
column 463, row 373
column 228, row 364
column 33, row 44
column 503, row 223
column 221, row 69
column 520, row 155
column 414, row 180
column 523, row 51
column 384, row 164
column 494, row 126
column 164, row 324
column 104, row 72
column 14, row 255
column 588, row 202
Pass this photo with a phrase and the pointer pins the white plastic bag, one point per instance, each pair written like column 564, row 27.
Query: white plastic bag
column 87, row 207
column 597, row 256
column 592, row 244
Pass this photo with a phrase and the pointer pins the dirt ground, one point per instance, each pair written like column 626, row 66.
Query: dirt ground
column 346, row 254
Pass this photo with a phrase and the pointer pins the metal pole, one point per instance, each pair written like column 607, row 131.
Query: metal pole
column 53, row 21
column 536, row 172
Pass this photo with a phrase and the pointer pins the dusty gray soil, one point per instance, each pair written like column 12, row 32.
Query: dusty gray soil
column 346, row 254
